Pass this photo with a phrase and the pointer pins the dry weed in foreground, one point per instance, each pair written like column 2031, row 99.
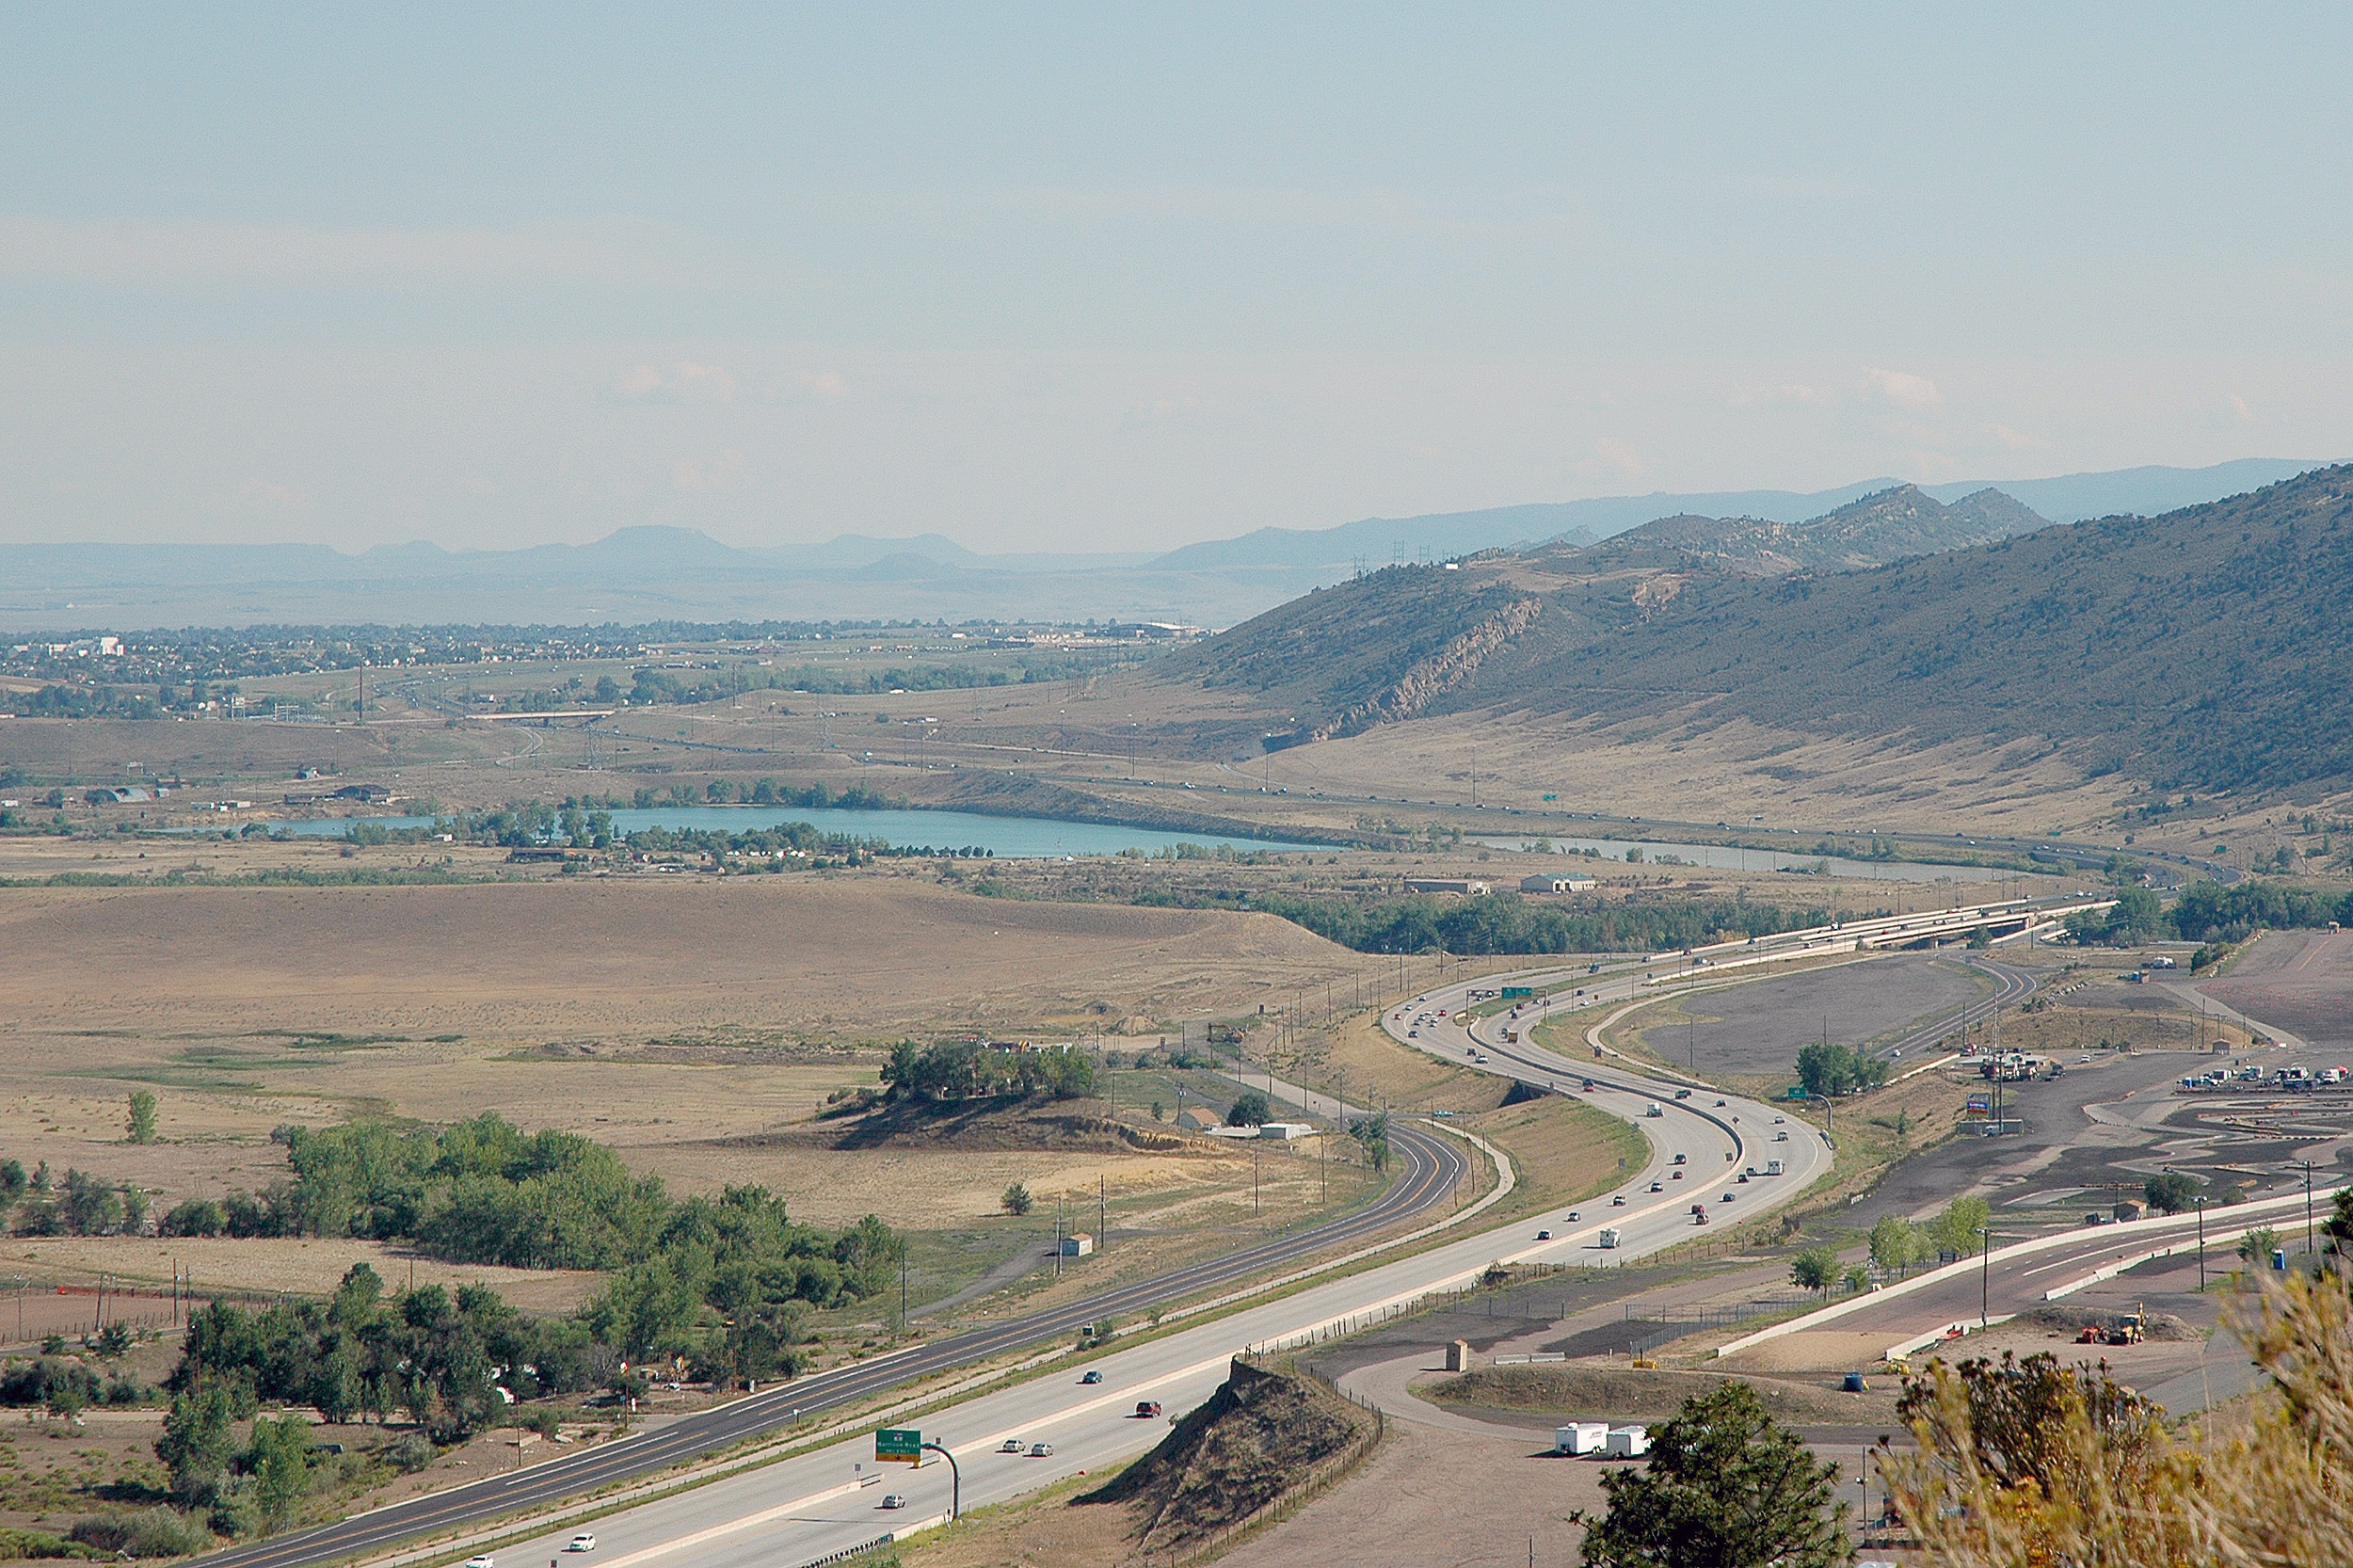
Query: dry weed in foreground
column 2033, row 1463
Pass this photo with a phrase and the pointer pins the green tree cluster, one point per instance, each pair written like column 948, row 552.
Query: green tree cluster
column 1814, row 1269
column 1507, row 923
column 740, row 1261
column 484, row 1191
column 2171, row 1192
column 85, row 1204
column 956, row 1070
column 439, row 1358
column 1957, row 1230
column 1897, row 1244
column 1828, row 1070
column 2135, row 917
column 1726, row 1486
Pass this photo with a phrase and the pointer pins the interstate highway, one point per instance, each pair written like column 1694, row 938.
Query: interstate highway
column 794, row 1511
column 1432, row 1167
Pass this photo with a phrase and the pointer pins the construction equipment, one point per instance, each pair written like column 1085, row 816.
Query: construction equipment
column 2124, row 1331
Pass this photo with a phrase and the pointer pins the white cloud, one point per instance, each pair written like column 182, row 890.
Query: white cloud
column 2245, row 415
column 685, row 382
column 2017, row 441
column 1903, row 388
column 826, row 385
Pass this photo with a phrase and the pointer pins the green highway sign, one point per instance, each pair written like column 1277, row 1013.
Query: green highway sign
column 898, row 1446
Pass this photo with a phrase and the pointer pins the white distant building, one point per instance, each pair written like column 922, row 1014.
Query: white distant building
column 1077, row 1244
column 1468, row 886
column 1284, row 1129
column 1556, row 883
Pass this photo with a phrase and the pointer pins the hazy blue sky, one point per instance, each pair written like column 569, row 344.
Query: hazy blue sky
column 1120, row 277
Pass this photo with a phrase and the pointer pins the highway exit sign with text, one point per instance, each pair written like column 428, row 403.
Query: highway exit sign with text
column 898, row 1446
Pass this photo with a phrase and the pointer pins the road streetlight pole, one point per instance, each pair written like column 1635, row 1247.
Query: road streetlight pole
column 955, row 1481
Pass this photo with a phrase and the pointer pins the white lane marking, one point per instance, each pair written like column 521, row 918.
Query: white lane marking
column 696, row 1538
column 988, row 1443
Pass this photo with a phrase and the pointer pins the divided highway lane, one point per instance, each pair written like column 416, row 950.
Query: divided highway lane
column 2010, row 987
column 1719, row 1143
column 811, row 1506
column 1432, row 1166
column 1736, row 1134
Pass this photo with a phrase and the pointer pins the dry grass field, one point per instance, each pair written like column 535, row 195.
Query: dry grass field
column 694, row 1025
column 293, row 1267
column 801, row 957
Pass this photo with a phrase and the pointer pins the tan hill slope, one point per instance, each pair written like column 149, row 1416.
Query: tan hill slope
column 2207, row 648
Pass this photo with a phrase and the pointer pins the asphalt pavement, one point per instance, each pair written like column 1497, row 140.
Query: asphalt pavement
column 825, row 1504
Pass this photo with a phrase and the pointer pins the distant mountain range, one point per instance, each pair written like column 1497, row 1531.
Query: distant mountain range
column 666, row 573
column 1436, row 536
column 1868, row 532
column 2209, row 646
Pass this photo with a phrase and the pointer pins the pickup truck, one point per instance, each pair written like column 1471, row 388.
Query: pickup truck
column 1147, row 1409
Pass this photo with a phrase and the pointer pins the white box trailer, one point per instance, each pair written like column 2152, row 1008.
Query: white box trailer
column 1627, row 1442
column 1580, row 1437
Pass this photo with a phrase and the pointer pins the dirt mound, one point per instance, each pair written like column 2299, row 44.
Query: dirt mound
column 2073, row 1320
column 1261, row 1438
column 1619, row 1393
column 1000, row 1125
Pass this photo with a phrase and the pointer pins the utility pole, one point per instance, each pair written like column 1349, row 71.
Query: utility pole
column 1102, row 1214
column 2308, row 1208
column 1985, row 1276
column 2202, row 1246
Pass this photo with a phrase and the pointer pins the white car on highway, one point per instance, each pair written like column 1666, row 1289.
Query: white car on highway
column 585, row 1542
